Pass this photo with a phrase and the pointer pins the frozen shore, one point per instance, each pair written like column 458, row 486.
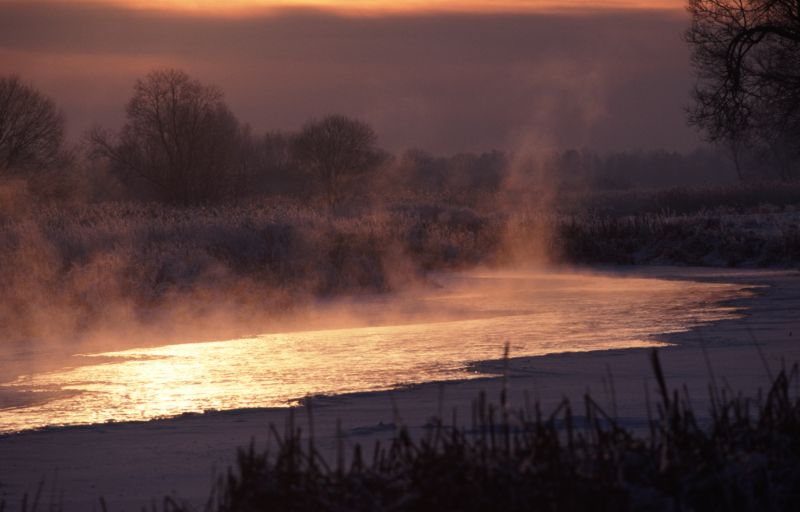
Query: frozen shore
column 132, row 464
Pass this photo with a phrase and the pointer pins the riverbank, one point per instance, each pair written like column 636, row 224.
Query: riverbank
column 130, row 464
column 87, row 276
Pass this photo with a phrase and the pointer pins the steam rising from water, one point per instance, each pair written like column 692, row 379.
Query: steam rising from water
column 427, row 337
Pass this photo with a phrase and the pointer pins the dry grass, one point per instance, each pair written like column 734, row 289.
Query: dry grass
column 746, row 458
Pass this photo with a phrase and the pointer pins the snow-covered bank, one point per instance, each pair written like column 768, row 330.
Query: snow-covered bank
column 129, row 464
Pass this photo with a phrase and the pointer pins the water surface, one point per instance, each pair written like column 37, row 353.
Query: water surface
column 420, row 337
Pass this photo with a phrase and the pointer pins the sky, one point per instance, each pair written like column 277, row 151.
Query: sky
column 448, row 76
column 373, row 7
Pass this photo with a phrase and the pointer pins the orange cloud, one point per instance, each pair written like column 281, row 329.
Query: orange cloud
column 382, row 7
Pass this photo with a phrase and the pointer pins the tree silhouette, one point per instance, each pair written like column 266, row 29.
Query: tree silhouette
column 179, row 136
column 746, row 54
column 31, row 128
column 336, row 151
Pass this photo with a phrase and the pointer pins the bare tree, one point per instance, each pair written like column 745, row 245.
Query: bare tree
column 746, row 54
column 31, row 128
column 180, row 137
column 336, row 151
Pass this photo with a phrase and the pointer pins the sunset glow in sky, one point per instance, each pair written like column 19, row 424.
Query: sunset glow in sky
column 446, row 76
column 390, row 7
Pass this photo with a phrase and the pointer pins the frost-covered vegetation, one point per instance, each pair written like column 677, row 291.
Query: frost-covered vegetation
column 65, row 270
column 71, row 270
column 750, row 225
column 703, row 239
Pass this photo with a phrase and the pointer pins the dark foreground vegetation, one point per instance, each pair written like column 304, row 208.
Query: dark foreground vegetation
column 746, row 456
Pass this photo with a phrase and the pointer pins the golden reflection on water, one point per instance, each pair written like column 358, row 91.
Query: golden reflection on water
column 537, row 314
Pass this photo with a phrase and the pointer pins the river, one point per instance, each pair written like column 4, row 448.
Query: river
column 428, row 335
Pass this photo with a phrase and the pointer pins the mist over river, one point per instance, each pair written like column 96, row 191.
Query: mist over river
column 380, row 342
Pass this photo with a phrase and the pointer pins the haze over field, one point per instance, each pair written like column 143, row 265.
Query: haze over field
column 458, row 76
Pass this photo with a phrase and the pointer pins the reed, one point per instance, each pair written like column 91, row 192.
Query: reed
column 746, row 458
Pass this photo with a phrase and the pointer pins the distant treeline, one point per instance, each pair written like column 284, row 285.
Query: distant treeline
column 181, row 144
column 466, row 179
